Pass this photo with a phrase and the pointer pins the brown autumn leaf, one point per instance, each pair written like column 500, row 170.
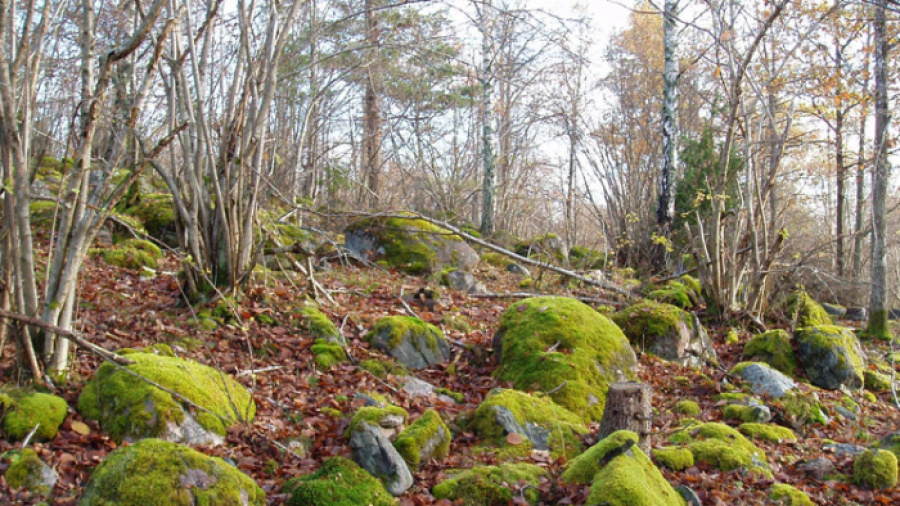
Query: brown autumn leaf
column 81, row 428
column 514, row 439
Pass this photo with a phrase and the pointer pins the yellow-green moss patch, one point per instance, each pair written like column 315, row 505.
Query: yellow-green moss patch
column 28, row 470
column 806, row 311
column 687, row 407
column 876, row 381
column 491, row 485
column 427, row 437
column 801, row 408
column 676, row 458
column 768, row 432
column 128, row 407
column 318, row 324
column 327, row 354
column 374, row 415
column 774, row 348
column 382, row 368
column 131, row 254
column 789, row 496
column 722, row 447
column 338, row 482
column 875, row 469
column 21, row 411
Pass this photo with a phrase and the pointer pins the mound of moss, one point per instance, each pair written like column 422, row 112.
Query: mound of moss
column 29, row 471
column 805, row 311
column 158, row 472
column 774, row 348
column 831, row 356
column 383, row 368
column 491, row 485
column 411, row 245
column 875, row 469
column 131, row 254
column 789, row 495
column 620, row 474
column 409, row 340
column 676, row 458
column 876, row 381
column 721, row 447
column 326, row 354
column 318, row 324
column 542, row 424
column 768, row 432
column 338, row 482
column 801, row 409
column 21, row 411
column 666, row 331
column 676, row 293
column 687, row 407
column 157, row 213
column 128, row 408
column 561, row 345
column 427, row 438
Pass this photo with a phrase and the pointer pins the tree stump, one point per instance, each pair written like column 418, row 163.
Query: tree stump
column 628, row 408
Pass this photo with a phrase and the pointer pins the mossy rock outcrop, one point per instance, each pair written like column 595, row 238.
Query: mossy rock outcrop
column 542, row 424
column 805, row 311
column 666, row 331
column 427, row 438
column 875, row 469
column 620, row 474
column 128, row 408
column 491, row 485
column 21, row 411
column 319, row 325
column 721, row 447
column 681, row 293
column 157, row 213
column 831, row 356
column 774, row 348
column 561, row 345
column 801, row 408
column 583, row 258
column 414, row 246
column 134, row 254
column 338, row 482
column 158, row 472
column 410, row 341
column 27, row 470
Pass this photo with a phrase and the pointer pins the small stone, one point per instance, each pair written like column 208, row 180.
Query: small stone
column 375, row 453
column 764, row 379
column 690, row 497
column 844, row 449
column 856, row 314
column 817, row 468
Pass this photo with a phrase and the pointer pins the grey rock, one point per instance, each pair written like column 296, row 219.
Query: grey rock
column 419, row 347
column 766, row 380
column 448, row 250
column 39, row 189
column 844, row 449
column 689, row 495
column 414, row 387
column 457, row 253
column 537, row 434
column 831, row 356
column 369, row 400
column 359, row 244
column 856, row 314
column 518, row 269
column 846, row 413
column 817, row 468
column 375, row 453
column 690, row 347
column 466, row 282
column 760, row 413
column 834, row 310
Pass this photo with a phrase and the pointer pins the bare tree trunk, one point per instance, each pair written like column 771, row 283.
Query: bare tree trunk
column 628, row 407
column 858, row 236
column 666, row 205
column 488, row 190
column 840, row 169
column 372, row 109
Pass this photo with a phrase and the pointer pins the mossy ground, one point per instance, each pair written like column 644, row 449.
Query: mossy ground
column 156, row 212
column 132, row 254
column 789, row 495
column 327, row 354
column 381, row 368
column 412, row 441
column 774, row 348
column 768, row 432
column 875, row 469
column 338, row 482
column 21, row 411
column 589, row 352
column 876, row 381
column 318, row 324
column 491, row 485
column 722, row 447
column 154, row 472
column 119, row 400
column 687, row 407
column 621, row 479
column 676, row 458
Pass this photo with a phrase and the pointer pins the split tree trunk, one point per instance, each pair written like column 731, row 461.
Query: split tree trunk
column 628, row 408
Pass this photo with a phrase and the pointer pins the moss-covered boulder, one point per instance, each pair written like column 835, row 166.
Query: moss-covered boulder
column 389, row 418
column 129, row 408
column 620, row 474
column 804, row 311
column 327, row 354
column 27, row 470
column 831, row 356
column 747, row 411
column 338, row 482
column 134, row 254
column 542, row 424
column 676, row 458
column 876, row 381
column 157, row 213
column 680, row 293
column 721, row 447
column 427, row 438
column 666, row 331
column 411, row 245
column 547, row 247
column 875, row 469
column 158, row 472
column 774, row 348
column 318, row 325
column 491, row 485
column 562, row 346
column 801, row 408
column 21, row 411
column 788, row 495
column 768, row 432
column 687, row 407
column 370, row 433
column 410, row 341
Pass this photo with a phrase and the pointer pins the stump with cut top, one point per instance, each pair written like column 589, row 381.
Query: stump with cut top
column 628, row 408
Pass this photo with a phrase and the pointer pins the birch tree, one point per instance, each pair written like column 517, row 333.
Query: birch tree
column 666, row 205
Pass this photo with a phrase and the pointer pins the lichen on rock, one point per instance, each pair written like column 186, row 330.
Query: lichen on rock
column 562, row 346
column 409, row 340
column 666, row 331
column 129, row 408
column 21, row 411
column 158, row 472
column 490, row 485
column 338, row 482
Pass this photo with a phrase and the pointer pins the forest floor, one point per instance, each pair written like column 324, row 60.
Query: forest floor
column 120, row 309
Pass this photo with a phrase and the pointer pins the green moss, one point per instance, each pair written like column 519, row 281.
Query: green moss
column 133, row 254
column 620, row 478
column 331, row 412
column 676, row 458
column 154, row 472
column 876, row 381
column 459, row 397
column 42, row 212
column 722, row 447
column 673, row 293
column 127, row 406
column 789, row 495
column 691, row 283
column 849, row 363
column 732, row 396
column 25, row 471
column 399, row 328
column 563, row 425
column 806, row 311
column 382, row 368
column 774, row 348
column 877, row 326
column 768, row 432
column 156, row 212
column 587, row 259
column 686, row 407
column 732, row 337
column 526, row 283
column 338, row 482
column 738, row 368
column 456, row 321
column 875, row 469
column 412, row 441
column 647, row 321
column 21, row 411
column 373, row 416
column 801, row 408
column 589, row 352
column 327, row 354
column 870, row 397
column 409, row 244
column 739, row 412
column 543, row 247
column 491, row 485
column 496, row 259
column 318, row 324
